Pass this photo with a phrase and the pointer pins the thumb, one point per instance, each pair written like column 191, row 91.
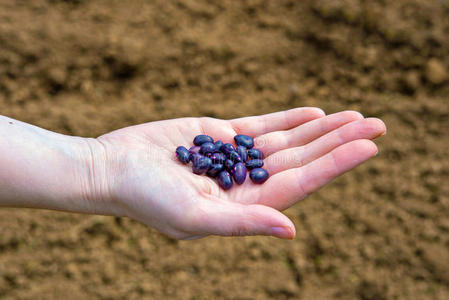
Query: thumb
column 235, row 219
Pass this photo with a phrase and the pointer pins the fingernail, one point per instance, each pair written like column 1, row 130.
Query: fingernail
column 281, row 232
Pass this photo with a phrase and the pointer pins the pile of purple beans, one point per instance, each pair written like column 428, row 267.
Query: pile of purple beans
column 224, row 161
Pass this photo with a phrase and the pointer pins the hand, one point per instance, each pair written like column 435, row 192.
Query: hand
column 304, row 150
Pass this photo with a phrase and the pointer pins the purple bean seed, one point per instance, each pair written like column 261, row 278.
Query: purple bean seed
column 201, row 165
column 258, row 175
column 254, row 163
column 183, row 154
column 242, row 152
column 207, row 148
column 195, row 156
column 224, row 180
column 235, row 157
column 201, row 139
column 218, row 158
column 218, row 145
column 239, row 173
column 255, row 154
column 244, row 140
column 194, row 150
column 215, row 169
column 227, row 148
column 229, row 165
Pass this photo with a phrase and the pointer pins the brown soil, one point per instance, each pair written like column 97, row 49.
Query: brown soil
column 87, row 67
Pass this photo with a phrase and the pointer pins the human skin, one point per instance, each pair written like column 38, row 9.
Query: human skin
column 134, row 172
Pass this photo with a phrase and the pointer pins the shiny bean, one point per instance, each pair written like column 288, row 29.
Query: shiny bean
column 244, row 140
column 201, row 165
column 218, row 158
column 201, row 139
column 227, row 148
column 183, row 154
column 229, row 165
column 195, row 156
column 254, row 163
column 218, row 145
column 215, row 169
column 255, row 154
column 195, row 149
column 239, row 173
column 235, row 157
column 258, row 175
column 242, row 152
column 224, row 180
column 207, row 148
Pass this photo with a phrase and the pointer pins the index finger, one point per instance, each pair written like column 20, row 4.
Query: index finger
column 282, row 120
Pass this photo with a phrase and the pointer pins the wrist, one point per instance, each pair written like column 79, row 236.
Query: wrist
column 95, row 171
column 43, row 169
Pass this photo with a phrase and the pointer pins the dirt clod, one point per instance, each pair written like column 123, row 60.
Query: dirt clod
column 436, row 73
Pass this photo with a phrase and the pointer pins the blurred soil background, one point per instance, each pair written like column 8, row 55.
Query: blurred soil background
column 88, row 67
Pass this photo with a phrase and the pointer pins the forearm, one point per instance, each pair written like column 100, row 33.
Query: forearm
column 43, row 169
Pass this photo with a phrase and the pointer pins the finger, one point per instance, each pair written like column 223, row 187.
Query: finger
column 369, row 128
column 282, row 120
column 235, row 219
column 284, row 189
column 275, row 141
column 218, row 129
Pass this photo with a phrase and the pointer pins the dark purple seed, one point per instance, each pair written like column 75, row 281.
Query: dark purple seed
column 242, row 152
column 218, row 158
column 194, row 149
column 207, row 148
column 258, row 175
column 239, row 173
column 201, row 139
column 227, row 148
column 218, row 145
column 229, row 165
column 244, row 140
column 195, row 156
column 183, row 154
column 201, row 165
column 224, row 180
column 255, row 154
column 215, row 169
column 235, row 157
column 254, row 163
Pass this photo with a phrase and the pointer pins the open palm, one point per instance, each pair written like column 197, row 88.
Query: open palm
column 304, row 150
